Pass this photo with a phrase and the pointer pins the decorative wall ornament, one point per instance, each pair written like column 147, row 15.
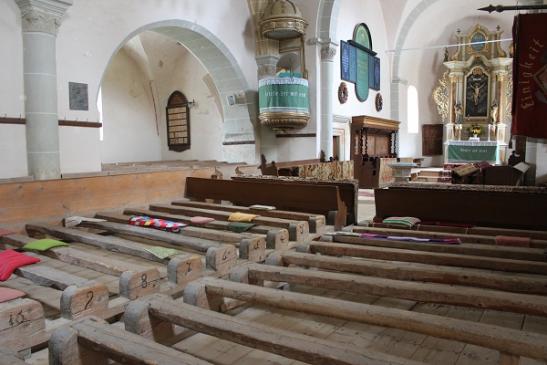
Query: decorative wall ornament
column 343, row 93
column 358, row 63
column 78, row 97
column 379, row 102
column 442, row 98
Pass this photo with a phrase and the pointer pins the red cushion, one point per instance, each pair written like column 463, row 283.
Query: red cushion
column 7, row 294
column 11, row 260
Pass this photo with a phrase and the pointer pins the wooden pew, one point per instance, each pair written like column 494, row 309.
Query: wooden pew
column 22, row 324
column 92, row 341
column 472, row 235
column 315, row 222
column 515, row 282
column 420, row 292
column 251, row 248
column 348, row 189
column 156, row 315
column 298, row 230
column 209, row 293
column 312, row 198
column 491, row 206
column 219, row 257
column 276, row 238
column 178, row 269
column 381, row 253
column 517, row 253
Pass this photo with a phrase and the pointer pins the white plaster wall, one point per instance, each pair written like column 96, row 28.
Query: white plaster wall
column 13, row 149
column 129, row 128
column 370, row 12
column 186, row 74
column 12, row 137
column 93, row 30
column 79, row 149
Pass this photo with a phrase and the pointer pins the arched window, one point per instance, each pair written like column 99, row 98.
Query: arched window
column 413, row 113
column 178, row 122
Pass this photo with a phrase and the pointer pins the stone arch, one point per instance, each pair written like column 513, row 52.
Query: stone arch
column 239, row 120
column 326, row 19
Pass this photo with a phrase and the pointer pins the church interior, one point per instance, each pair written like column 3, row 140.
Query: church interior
column 273, row 182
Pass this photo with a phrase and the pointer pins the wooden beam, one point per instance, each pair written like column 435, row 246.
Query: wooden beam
column 315, row 221
column 252, row 248
column 343, row 249
column 415, row 271
column 420, row 292
column 140, row 318
column 515, row 342
column 91, row 341
column 276, row 238
column 515, row 253
column 298, row 230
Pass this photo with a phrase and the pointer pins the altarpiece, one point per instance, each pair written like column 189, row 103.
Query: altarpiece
column 473, row 98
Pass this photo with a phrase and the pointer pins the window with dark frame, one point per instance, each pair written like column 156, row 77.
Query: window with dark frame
column 178, row 122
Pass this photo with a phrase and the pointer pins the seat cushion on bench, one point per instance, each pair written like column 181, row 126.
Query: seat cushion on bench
column 7, row 294
column 11, row 260
column 43, row 245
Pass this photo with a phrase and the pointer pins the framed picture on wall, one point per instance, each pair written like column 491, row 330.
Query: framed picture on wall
column 374, row 73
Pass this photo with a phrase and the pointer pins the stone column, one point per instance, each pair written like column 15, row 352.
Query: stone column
column 40, row 21
column 328, row 52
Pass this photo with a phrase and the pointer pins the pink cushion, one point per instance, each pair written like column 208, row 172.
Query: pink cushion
column 5, row 232
column 198, row 221
column 7, row 294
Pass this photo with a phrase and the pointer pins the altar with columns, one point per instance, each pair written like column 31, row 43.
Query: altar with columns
column 473, row 98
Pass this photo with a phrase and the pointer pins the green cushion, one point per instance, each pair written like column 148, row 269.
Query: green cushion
column 239, row 227
column 162, row 252
column 43, row 245
column 405, row 222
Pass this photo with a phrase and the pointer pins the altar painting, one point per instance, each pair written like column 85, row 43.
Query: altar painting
column 476, row 93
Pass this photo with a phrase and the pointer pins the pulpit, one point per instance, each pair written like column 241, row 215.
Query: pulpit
column 373, row 148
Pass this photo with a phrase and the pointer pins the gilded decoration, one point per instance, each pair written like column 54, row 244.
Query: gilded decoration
column 442, row 98
column 282, row 20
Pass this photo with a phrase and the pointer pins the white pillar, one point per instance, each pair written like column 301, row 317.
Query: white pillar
column 328, row 51
column 40, row 21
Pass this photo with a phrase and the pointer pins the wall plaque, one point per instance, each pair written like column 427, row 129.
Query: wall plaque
column 78, row 98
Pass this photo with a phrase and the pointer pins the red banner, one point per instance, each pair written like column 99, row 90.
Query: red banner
column 530, row 75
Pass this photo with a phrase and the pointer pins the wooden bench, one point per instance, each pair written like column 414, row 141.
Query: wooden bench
column 348, row 189
column 492, row 206
column 155, row 317
column 298, row 230
column 276, row 238
column 93, row 341
column 312, row 198
column 511, row 343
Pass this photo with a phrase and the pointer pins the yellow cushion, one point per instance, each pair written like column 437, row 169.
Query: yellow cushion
column 241, row 217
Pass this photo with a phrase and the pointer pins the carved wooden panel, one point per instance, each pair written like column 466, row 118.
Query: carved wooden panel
column 178, row 122
column 432, row 139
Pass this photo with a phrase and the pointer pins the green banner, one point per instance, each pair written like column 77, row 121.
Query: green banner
column 283, row 94
column 462, row 153
column 361, row 87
